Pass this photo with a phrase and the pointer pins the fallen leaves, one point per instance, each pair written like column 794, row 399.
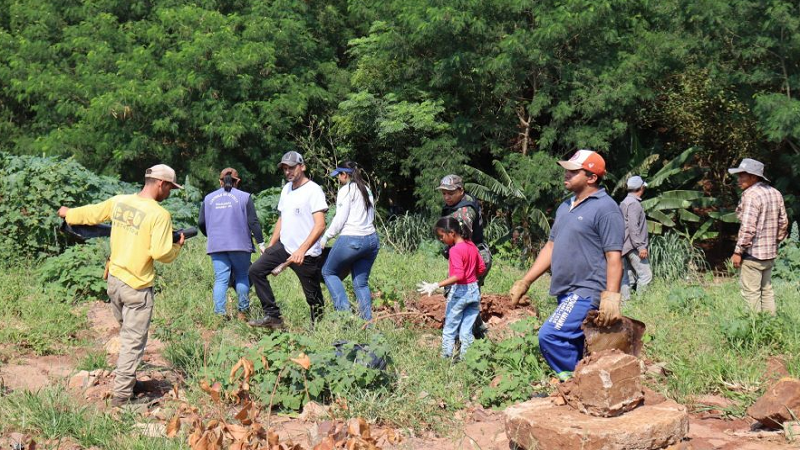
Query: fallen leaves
column 303, row 361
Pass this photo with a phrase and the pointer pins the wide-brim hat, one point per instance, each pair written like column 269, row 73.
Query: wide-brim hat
column 750, row 166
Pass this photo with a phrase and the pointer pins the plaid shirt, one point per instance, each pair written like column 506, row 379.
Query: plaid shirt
column 764, row 223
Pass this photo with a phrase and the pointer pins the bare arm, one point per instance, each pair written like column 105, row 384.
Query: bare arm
column 613, row 271
column 542, row 264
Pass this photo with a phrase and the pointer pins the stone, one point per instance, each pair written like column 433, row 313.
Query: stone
column 714, row 404
column 80, row 380
column 538, row 424
column 652, row 397
column 605, row 384
column 313, row 411
column 773, row 408
column 112, row 346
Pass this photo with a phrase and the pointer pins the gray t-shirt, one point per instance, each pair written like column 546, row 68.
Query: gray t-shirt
column 580, row 239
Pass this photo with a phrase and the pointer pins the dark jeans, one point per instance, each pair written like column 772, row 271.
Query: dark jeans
column 308, row 273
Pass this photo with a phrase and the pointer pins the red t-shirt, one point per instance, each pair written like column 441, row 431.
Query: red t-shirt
column 466, row 262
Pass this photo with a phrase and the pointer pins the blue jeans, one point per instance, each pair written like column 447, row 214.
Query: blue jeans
column 561, row 338
column 463, row 306
column 355, row 254
column 223, row 263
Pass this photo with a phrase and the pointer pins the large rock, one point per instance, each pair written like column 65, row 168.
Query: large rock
column 539, row 424
column 605, row 384
column 773, row 408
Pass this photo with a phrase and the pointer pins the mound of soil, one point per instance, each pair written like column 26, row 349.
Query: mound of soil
column 495, row 309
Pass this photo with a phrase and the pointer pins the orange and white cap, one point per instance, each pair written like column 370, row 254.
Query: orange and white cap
column 588, row 160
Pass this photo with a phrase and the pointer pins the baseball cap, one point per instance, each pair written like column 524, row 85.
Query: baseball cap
column 635, row 182
column 291, row 159
column 588, row 160
column 163, row 172
column 230, row 170
column 451, row 183
column 750, row 166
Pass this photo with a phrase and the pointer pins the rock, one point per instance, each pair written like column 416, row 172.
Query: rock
column 313, row 411
column 652, row 397
column 772, row 409
column 605, row 384
column 538, row 424
column 656, row 370
column 80, row 380
column 112, row 346
column 713, row 403
column 625, row 335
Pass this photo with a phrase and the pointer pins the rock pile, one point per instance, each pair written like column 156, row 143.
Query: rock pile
column 603, row 407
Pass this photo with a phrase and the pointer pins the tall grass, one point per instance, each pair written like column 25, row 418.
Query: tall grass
column 674, row 258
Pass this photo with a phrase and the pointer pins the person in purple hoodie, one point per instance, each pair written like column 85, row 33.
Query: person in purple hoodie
column 228, row 217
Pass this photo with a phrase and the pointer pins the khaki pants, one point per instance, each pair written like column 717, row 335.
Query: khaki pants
column 756, row 283
column 133, row 309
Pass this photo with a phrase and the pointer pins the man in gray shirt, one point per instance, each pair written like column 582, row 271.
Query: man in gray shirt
column 634, row 248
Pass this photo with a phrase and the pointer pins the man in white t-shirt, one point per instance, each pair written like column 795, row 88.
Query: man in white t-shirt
column 295, row 240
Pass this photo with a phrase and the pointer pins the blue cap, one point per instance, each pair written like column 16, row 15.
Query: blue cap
column 339, row 170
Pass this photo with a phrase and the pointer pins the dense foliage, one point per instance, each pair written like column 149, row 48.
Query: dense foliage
column 410, row 89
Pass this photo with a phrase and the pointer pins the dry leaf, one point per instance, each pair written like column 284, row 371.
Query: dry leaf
column 303, row 361
column 358, row 427
column 236, row 432
column 326, row 444
column 174, row 425
column 272, row 438
column 243, row 415
column 213, row 391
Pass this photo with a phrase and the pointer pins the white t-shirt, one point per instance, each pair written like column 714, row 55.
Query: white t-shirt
column 352, row 218
column 296, row 207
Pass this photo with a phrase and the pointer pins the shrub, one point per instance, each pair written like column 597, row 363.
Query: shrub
column 787, row 264
column 504, row 370
column 686, row 298
column 327, row 376
column 33, row 188
column 77, row 274
column 266, row 203
column 756, row 331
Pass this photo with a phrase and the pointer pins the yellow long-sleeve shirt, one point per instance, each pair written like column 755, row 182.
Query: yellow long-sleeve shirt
column 141, row 231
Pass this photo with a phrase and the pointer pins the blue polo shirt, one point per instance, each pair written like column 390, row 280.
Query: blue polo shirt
column 580, row 239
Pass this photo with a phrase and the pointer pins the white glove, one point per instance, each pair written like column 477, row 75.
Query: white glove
column 262, row 246
column 427, row 288
column 322, row 241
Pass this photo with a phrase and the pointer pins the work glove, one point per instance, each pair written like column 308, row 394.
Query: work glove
column 427, row 288
column 519, row 289
column 609, row 309
column 262, row 247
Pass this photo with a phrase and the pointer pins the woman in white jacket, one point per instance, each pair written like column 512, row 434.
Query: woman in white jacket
column 357, row 246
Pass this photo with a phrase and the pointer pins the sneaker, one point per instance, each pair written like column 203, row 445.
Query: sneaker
column 267, row 322
column 564, row 376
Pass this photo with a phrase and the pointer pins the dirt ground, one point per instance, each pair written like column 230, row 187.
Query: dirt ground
column 482, row 428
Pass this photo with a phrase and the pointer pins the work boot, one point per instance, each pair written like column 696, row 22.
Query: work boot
column 267, row 322
column 139, row 387
column 120, row 402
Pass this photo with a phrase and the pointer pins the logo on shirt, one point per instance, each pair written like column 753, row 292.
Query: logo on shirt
column 127, row 217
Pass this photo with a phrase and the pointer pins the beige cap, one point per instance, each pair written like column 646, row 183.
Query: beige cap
column 163, row 172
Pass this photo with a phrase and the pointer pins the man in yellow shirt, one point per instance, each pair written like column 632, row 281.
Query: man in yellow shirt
column 141, row 232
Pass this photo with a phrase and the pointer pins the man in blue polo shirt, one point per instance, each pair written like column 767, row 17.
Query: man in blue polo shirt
column 584, row 253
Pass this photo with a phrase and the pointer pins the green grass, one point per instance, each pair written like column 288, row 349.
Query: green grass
column 700, row 331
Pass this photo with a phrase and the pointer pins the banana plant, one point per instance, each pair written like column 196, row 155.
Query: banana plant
column 506, row 194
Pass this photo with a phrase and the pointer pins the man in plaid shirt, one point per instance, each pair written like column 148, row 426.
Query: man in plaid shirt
column 764, row 224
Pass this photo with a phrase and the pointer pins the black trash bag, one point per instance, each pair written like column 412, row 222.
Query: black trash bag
column 83, row 232
column 361, row 354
